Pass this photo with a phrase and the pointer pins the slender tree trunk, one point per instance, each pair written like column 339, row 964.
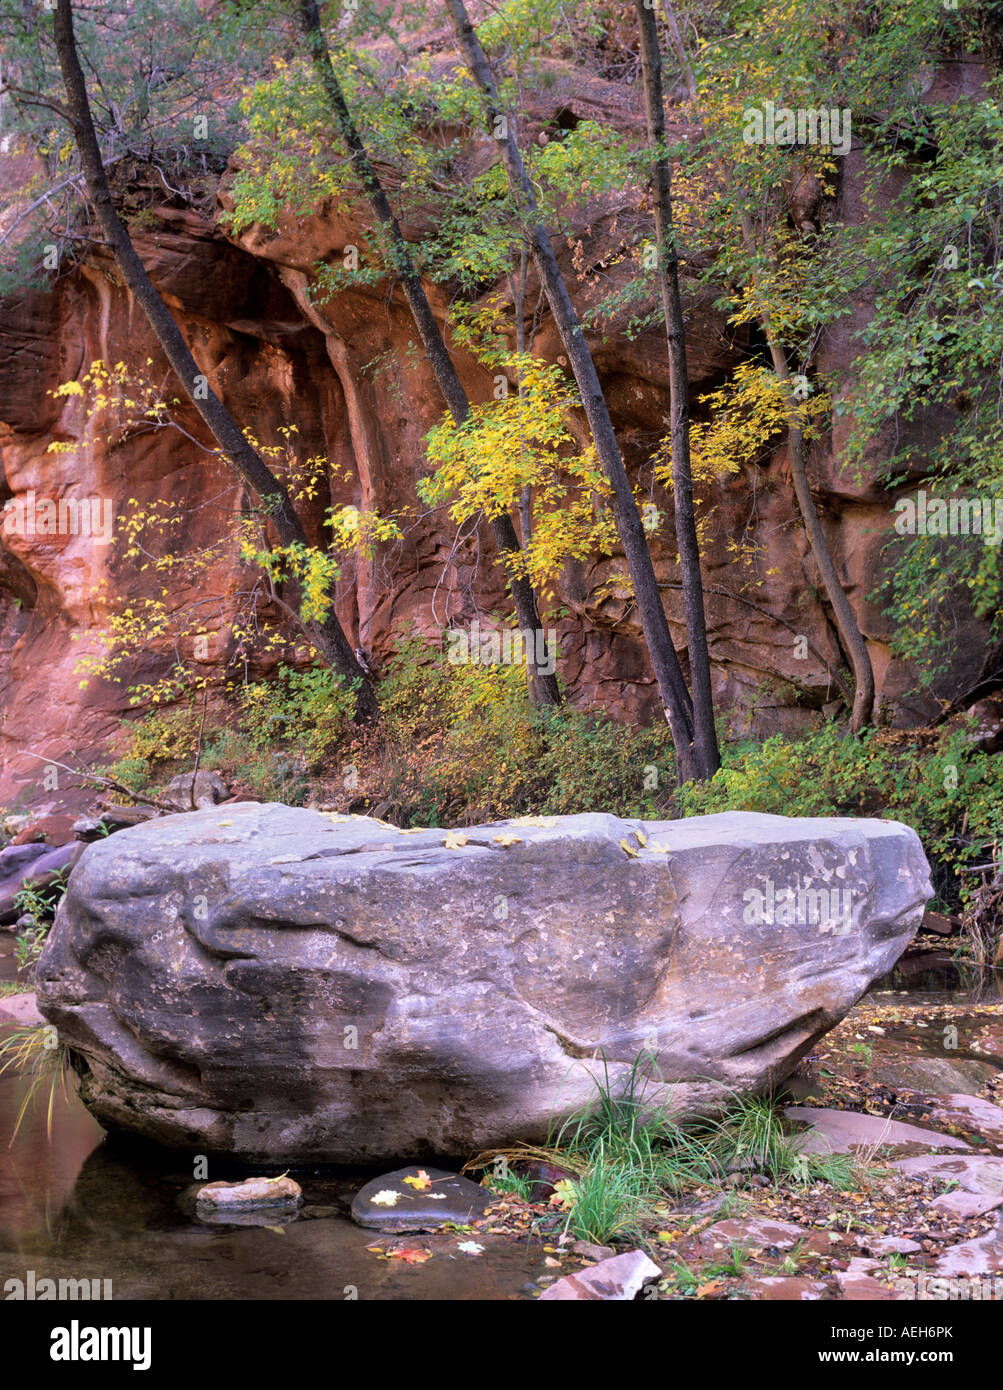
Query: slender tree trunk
column 543, row 686
column 671, row 685
column 517, row 284
column 327, row 636
column 706, row 756
column 846, row 623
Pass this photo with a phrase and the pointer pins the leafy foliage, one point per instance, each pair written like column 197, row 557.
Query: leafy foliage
column 950, row 792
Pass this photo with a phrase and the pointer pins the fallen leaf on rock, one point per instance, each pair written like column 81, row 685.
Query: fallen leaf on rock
column 507, row 840
column 470, row 1247
column 420, row 1182
column 387, row 1198
column 455, row 839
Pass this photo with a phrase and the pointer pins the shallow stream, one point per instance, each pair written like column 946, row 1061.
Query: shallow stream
column 81, row 1206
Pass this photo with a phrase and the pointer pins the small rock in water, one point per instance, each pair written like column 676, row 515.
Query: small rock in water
column 419, row 1199
column 617, row 1280
column 250, row 1195
column 587, row 1251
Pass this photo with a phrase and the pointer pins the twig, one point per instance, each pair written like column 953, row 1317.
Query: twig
column 102, row 781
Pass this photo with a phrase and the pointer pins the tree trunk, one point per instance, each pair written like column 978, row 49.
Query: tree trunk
column 328, row 636
column 706, row 756
column 543, row 687
column 671, row 685
column 517, row 284
column 846, row 622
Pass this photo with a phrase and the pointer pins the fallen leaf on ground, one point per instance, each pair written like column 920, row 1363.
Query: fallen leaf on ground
column 410, row 1257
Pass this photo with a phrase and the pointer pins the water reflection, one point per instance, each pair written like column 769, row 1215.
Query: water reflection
column 85, row 1206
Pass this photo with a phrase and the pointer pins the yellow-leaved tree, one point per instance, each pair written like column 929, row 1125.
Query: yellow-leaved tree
column 186, row 604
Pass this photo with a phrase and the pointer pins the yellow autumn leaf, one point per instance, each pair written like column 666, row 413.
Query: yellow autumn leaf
column 565, row 1195
column 455, row 839
column 420, row 1182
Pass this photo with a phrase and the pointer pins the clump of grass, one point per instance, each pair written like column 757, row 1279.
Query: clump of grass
column 510, row 1183
column 630, row 1151
column 608, row 1200
column 625, row 1152
column 36, row 1053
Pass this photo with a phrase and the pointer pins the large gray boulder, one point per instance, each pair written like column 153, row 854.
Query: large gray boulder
column 286, row 985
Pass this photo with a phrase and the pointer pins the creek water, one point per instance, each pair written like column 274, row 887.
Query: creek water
column 82, row 1206
column 79, row 1205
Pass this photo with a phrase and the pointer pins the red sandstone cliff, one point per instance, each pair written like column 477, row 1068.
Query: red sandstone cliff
column 277, row 360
